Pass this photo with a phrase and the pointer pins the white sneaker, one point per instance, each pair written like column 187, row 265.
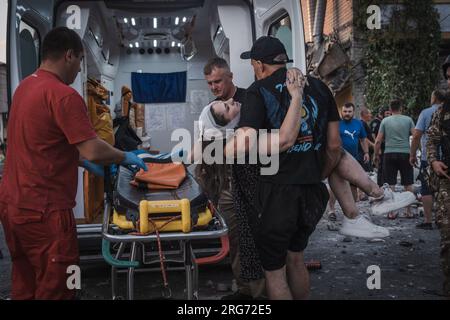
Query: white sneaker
column 391, row 201
column 363, row 228
column 387, row 194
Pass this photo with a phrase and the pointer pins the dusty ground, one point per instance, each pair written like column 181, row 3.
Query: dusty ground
column 408, row 259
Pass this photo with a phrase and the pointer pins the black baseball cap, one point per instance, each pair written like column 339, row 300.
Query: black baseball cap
column 268, row 50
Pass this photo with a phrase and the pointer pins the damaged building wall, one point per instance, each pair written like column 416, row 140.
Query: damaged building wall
column 308, row 9
column 338, row 17
column 346, row 77
column 331, row 61
column 358, row 71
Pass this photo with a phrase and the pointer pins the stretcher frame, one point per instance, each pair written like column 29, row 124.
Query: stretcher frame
column 110, row 236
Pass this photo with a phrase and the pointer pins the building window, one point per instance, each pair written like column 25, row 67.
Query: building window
column 29, row 49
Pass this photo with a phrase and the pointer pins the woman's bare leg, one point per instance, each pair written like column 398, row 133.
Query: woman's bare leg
column 349, row 169
column 331, row 201
column 343, row 193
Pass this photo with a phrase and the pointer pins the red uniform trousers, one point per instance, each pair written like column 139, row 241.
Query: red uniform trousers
column 42, row 246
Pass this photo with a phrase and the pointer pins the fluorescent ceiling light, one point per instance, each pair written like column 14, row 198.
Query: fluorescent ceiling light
column 173, row 44
column 155, row 23
column 125, row 20
column 177, row 21
column 133, row 22
column 184, row 19
column 131, row 45
column 155, row 43
column 137, row 44
column 179, row 44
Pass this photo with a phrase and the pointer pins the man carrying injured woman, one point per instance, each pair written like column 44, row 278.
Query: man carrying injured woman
column 347, row 171
column 289, row 203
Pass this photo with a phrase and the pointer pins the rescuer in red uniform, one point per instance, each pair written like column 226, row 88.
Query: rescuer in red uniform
column 49, row 136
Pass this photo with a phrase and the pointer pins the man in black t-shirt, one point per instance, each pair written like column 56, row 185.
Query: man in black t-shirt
column 366, row 117
column 375, row 124
column 292, row 201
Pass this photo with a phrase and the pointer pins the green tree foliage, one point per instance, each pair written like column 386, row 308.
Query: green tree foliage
column 402, row 58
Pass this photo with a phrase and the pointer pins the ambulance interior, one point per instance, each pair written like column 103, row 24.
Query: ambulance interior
column 122, row 38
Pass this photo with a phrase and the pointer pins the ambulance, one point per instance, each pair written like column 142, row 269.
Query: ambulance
column 125, row 39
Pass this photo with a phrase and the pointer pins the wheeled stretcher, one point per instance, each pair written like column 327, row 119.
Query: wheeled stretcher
column 134, row 218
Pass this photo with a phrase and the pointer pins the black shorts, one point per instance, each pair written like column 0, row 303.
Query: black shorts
column 380, row 179
column 287, row 216
column 394, row 162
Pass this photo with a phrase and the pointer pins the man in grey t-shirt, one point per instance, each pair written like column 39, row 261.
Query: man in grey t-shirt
column 395, row 131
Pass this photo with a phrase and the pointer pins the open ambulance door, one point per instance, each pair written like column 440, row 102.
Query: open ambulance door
column 282, row 19
column 28, row 23
column 239, row 23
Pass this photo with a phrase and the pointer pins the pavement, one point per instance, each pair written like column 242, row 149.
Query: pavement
column 408, row 261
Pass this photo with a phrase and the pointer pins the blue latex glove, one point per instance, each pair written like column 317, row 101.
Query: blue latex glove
column 133, row 160
column 96, row 169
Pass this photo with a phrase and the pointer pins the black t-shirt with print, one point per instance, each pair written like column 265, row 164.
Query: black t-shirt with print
column 266, row 106
column 375, row 127
column 368, row 131
column 369, row 137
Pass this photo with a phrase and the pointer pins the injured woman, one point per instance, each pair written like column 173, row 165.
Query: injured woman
column 219, row 118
